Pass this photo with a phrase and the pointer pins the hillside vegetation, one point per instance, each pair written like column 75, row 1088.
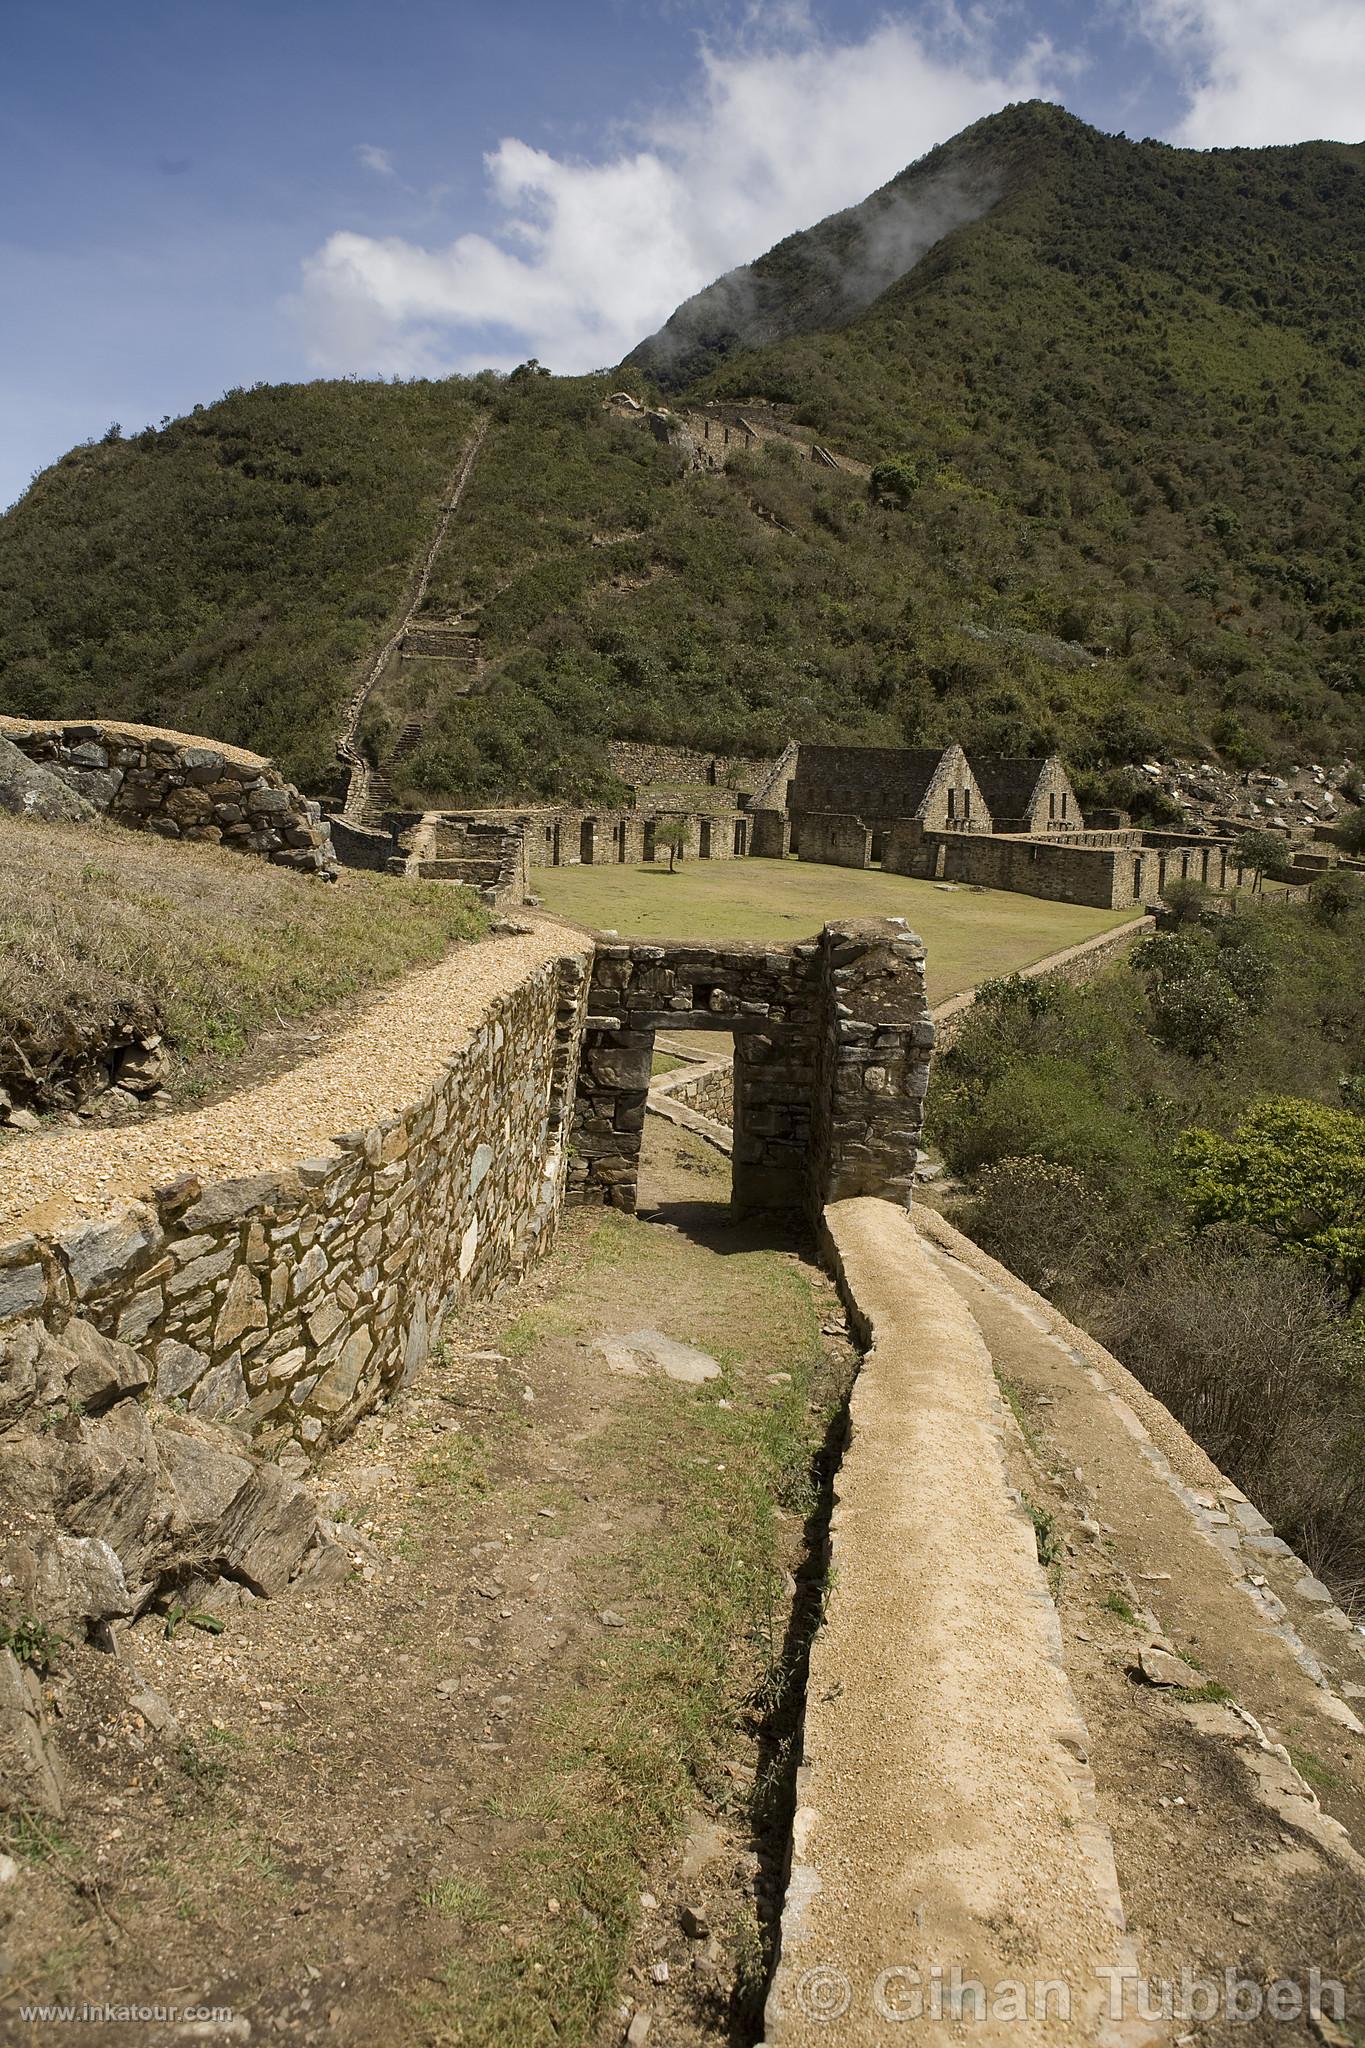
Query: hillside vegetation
column 227, row 573
column 1176, row 1154
column 1114, row 422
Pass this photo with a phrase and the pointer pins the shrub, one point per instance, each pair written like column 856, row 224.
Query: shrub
column 1186, row 897
column 1335, row 897
column 1254, row 1358
column 1293, row 1169
column 1046, row 1222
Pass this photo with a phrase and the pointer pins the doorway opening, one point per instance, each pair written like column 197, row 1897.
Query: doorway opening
column 685, row 1169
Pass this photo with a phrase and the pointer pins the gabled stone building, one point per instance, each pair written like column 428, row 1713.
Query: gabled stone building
column 1027, row 795
column 845, row 800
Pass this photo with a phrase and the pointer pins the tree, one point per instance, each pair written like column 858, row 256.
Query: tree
column 1336, row 896
column 1265, row 853
column 1292, row 1168
column 1186, row 897
column 672, row 833
column 895, row 482
column 1351, row 832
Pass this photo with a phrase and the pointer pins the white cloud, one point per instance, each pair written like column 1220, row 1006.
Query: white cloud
column 375, row 159
column 591, row 256
column 1264, row 71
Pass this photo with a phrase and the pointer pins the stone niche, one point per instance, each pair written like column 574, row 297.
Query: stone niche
column 832, row 1044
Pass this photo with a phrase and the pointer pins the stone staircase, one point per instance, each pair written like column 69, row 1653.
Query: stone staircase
column 368, row 792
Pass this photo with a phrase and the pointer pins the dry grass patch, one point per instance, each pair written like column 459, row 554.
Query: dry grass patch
column 99, row 924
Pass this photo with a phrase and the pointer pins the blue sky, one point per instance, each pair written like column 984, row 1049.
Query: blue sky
column 203, row 193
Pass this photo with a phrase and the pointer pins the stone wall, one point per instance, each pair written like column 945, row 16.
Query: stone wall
column 882, row 785
column 644, row 766
column 832, row 1040
column 1120, row 872
column 710, row 1091
column 833, row 837
column 715, row 831
column 286, row 1303
column 487, row 852
column 771, row 834
column 180, row 787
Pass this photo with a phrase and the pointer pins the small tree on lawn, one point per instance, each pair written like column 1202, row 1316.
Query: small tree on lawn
column 672, row 833
column 1265, row 853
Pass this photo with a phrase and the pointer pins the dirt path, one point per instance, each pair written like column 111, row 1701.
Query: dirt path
column 380, row 1062
column 466, row 1794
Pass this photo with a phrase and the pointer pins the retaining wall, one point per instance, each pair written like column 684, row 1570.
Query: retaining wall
column 710, row 1091
column 289, row 1301
column 1077, row 964
column 944, row 1813
column 181, row 787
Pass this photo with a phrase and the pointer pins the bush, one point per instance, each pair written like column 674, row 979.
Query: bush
column 1044, row 1221
column 1187, row 898
column 1335, row 897
column 1293, row 1169
column 1254, row 1358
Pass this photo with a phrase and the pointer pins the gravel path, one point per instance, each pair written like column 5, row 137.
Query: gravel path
column 376, row 1066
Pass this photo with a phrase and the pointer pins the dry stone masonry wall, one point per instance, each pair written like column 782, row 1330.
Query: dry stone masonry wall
column 182, row 788
column 832, row 1040
column 287, row 1302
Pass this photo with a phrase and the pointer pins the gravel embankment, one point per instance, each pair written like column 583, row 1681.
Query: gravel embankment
column 370, row 1070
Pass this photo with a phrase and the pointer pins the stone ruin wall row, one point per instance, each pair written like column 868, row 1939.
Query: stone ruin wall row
column 1122, row 874
column 711, row 1092
column 170, row 1371
column 287, row 1303
column 643, row 765
column 181, row 788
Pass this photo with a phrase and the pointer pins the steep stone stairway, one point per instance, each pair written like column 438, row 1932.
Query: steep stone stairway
column 367, row 793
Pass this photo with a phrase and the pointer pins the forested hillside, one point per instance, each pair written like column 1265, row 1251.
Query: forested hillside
column 1114, row 418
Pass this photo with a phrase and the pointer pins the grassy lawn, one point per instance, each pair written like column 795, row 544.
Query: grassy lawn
column 970, row 933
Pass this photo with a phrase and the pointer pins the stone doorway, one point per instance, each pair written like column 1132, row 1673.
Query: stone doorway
column 832, row 1039
column 586, row 835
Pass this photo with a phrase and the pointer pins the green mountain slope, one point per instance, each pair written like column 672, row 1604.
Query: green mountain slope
column 228, row 574
column 1114, row 416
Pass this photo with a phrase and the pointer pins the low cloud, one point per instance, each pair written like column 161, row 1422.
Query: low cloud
column 1255, row 72
column 589, row 257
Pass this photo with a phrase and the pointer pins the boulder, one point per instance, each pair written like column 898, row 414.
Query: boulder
column 79, row 1582
column 29, row 1773
column 266, row 1531
column 28, row 790
column 97, row 1370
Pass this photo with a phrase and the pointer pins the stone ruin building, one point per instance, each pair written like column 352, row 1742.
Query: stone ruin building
column 998, row 822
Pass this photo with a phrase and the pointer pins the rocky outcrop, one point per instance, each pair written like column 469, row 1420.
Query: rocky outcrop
column 93, row 1066
column 28, row 790
column 179, row 787
column 114, row 1501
